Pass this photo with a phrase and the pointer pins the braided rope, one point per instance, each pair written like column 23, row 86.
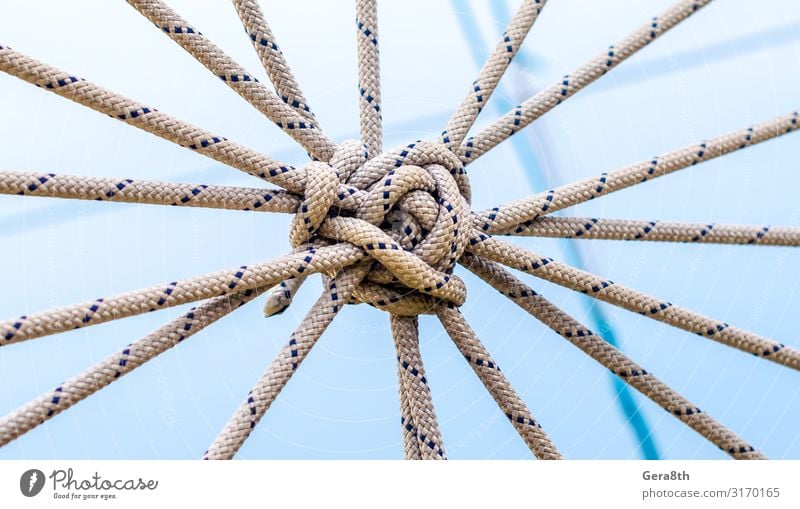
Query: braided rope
column 241, row 424
column 496, row 383
column 632, row 300
column 524, row 114
column 661, row 231
column 620, row 365
column 369, row 76
column 143, row 191
column 280, row 298
column 515, row 216
column 262, row 275
column 411, row 450
column 149, row 119
column 493, row 69
column 418, row 416
column 237, row 78
column 105, row 372
column 272, row 59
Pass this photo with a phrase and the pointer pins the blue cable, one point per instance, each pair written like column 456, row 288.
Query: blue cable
column 527, row 158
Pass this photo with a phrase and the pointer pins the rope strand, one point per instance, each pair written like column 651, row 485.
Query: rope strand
column 632, row 300
column 116, row 189
column 369, row 76
column 237, row 78
column 416, row 403
column 260, row 398
column 515, row 216
column 524, row 114
column 492, row 71
column 150, row 119
column 620, row 365
column 496, row 383
column 272, row 58
column 102, row 374
column 261, row 275
column 660, row 231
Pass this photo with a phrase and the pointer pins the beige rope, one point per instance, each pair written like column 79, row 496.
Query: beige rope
column 237, row 78
column 272, row 58
column 416, row 404
column 598, row 349
column 411, row 449
column 403, row 265
column 493, row 69
column 513, row 216
column 635, row 301
column 524, row 114
column 144, row 191
column 244, row 420
column 280, row 297
column 496, row 383
column 149, row 119
column 369, row 76
column 262, row 275
column 105, row 372
column 662, row 231
column 219, row 148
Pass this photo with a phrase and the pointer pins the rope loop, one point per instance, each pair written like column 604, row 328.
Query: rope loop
column 412, row 217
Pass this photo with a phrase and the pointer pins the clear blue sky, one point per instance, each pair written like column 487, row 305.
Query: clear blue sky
column 732, row 64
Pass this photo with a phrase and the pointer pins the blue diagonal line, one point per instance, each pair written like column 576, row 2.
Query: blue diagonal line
column 528, row 160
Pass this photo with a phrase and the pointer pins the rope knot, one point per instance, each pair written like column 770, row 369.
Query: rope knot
column 408, row 209
column 319, row 195
column 322, row 181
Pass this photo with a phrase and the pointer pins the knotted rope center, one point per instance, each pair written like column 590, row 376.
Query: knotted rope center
column 408, row 209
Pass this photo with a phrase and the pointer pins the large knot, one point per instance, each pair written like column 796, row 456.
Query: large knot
column 322, row 182
column 408, row 209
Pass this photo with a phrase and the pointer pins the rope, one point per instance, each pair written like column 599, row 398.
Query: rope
column 220, row 148
column 262, row 275
column 618, row 363
column 632, row 300
column 149, row 119
column 524, row 114
column 416, row 406
column 411, row 449
column 241, row 81
column 496, row 383
column 80, row 387
column 369, row 76
column 662, row 231
column 241, row 424
column 280, row 297
column 516, row 215
column 272, row 58
column 493, row 69
column 529, row 159
column 143, row 191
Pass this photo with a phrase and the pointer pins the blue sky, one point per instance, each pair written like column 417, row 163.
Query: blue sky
column 732, row 64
